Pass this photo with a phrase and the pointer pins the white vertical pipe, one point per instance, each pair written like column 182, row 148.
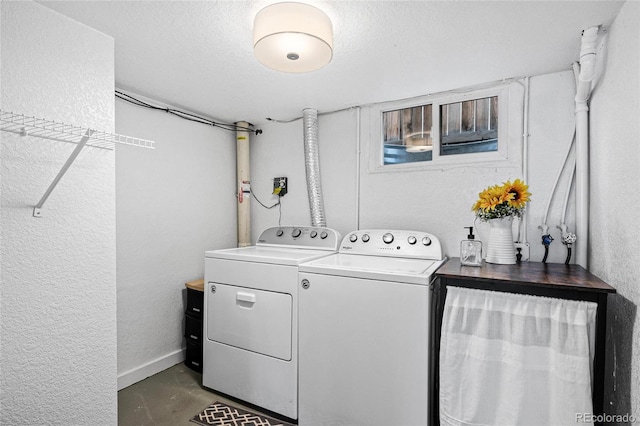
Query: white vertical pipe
column 584, row 87
column 243, row 173
column 524, row 237
column 358, row 143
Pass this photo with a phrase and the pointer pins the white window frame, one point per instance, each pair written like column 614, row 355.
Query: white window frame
column 510, row 119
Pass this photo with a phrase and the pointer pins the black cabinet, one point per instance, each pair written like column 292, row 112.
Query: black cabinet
column 539, row 279
column 193, row 324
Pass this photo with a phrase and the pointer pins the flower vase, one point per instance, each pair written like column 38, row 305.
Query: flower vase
column 500, row 248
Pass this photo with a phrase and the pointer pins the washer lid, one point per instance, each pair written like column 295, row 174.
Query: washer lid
column 411, row 271
column 273, row 255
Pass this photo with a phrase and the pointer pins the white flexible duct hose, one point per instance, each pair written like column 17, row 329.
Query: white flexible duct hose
column 583, row 91
column 312, row 166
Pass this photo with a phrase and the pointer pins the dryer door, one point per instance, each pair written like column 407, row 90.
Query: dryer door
column 255, row 320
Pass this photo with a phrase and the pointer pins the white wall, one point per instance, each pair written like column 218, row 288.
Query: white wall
column 58, row 299
column 58, row 273
column 279, row 151
column 437, row 201
column 173, row 203
column 615, row 236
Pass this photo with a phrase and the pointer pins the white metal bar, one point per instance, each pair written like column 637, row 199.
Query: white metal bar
column 37, row 212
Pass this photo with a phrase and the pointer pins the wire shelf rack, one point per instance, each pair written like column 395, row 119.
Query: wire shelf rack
column 81, row 136
column 48, row 129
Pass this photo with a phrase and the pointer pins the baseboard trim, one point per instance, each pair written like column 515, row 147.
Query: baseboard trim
column 134, row 375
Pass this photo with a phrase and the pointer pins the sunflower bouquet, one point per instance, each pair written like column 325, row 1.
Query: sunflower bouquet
column 498, row 201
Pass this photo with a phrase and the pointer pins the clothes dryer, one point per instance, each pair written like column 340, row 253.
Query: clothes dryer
column 250, row 345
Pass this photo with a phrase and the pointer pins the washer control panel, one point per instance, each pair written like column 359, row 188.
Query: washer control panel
column 310, row 237
column 380, row 242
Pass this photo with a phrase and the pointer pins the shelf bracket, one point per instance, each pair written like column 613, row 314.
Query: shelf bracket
column 37, row 210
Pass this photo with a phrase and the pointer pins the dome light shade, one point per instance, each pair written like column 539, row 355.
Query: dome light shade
column 293, row 37
column 418, row 142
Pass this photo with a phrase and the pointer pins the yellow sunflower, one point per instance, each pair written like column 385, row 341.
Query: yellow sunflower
column 490, row 198
column 518, row 193
column 508, row 199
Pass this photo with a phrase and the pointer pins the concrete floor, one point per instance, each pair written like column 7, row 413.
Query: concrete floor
column 169, row 398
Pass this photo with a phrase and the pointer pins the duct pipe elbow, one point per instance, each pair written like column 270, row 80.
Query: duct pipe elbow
column 588, row 50
column 588, row 42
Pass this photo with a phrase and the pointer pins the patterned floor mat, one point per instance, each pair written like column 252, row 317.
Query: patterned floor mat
column 221, row 414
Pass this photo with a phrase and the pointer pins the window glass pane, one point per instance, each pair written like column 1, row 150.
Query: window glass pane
column 407, row 135
column 469, row 126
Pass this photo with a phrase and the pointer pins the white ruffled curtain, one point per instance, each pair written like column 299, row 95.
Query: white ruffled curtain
column 510, row 359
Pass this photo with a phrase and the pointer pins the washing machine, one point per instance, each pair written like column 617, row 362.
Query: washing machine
column 364, row 330
column 250, row 349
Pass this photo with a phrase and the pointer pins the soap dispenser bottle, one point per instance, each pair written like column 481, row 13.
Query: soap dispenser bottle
column 470, row 250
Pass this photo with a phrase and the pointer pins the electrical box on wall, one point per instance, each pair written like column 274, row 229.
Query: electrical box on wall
column 280, row 186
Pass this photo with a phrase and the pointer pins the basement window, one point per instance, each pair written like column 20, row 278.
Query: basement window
column 407, row 135
column 451, row 128
column 470, row 126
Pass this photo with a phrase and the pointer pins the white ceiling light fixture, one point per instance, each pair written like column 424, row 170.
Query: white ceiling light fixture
column 293, row 37
column 419, row 141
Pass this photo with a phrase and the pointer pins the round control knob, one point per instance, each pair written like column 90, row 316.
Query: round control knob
column 365, row 238
column 296, row 233
column 324, row 235
column 353, row 238
column 387, row 238
column 314, row 234
column 412, row 240
column 279, row 233
column 426, row 241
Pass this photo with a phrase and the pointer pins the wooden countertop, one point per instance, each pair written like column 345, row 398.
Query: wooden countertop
column 550, row 275
column 195, row 285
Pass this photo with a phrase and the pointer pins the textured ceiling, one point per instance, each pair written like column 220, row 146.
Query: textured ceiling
column 198, row 55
